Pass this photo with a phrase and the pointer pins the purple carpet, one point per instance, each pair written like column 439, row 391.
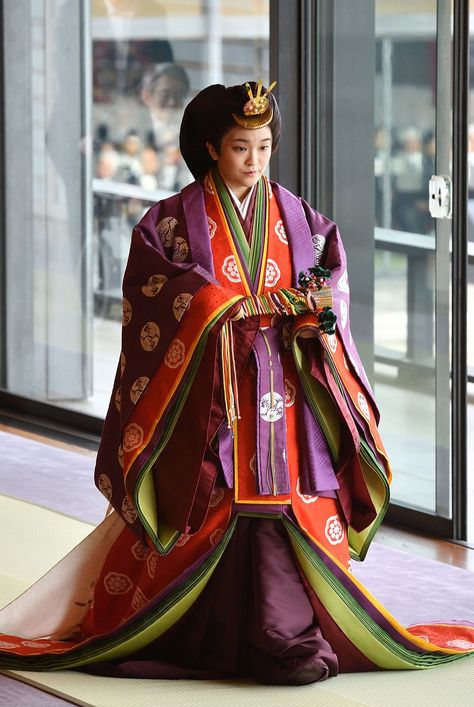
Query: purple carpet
column 413, row 588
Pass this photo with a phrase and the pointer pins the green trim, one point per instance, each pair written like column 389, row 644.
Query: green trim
column 251, row 252
column 138, row 634
column 355, row 622
column 321, row 403
column 163, row 537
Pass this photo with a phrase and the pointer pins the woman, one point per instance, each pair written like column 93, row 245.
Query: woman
column 240, row 450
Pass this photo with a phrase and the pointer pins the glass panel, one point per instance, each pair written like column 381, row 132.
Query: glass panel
column 97, row 131
column 407, row 301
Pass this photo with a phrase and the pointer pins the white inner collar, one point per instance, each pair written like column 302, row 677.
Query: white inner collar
column 243, row 206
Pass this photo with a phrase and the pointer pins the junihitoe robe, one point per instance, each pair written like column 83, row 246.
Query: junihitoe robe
column 236, row 429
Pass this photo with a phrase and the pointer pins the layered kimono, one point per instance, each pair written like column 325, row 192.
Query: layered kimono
column 241, row 457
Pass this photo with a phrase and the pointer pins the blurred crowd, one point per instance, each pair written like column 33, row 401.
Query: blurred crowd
column 409, row 162
column 149, row 156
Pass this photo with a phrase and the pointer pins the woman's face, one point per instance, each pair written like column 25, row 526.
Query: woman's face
column 243, row 157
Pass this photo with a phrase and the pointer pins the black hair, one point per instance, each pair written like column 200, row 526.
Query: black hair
column 208, row 117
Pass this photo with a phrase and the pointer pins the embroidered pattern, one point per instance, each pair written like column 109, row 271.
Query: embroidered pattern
column 363, row 405
column 105, row 486
column 281, row 233
column 139, row 599
column 138, row 388
column 117, row 583
column 132, row 437
column 181, row 304
column 334, row 530
column 290, row 393
column 272, row 273
column 230, row 269
column 154, row 285
column 175, row 355
column 150, row 336
column 165, row 229
column 212, row 226
column 306, row 498
column 180, row 250
column 128, row 509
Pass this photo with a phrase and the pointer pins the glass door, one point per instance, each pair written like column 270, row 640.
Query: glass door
column 386, row 91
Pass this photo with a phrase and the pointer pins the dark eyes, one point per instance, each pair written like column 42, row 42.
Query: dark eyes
column 241, row 148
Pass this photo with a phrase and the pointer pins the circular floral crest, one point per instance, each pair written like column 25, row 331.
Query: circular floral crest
column 150, row 336
column 120, row 456
column 334, row 530
column 306, row 498
column 461, row 643
column 272, row 273
column 281, row 233
column 152, row 563
column 117, row 583
column 139, row 551
column 271, row 410
column 212, row 227
column 139, row 599
column 132, row 437
column 230, row 269
column 123, row 361
column 363, row 405
column 175, row 354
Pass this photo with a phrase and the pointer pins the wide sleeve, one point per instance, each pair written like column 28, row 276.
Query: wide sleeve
column 172, row 312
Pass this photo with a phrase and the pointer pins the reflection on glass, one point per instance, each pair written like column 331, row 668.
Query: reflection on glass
column 95, row 130
column 149, row 60
column 404, row 297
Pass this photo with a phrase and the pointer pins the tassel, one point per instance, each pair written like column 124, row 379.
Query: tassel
column 229, row 374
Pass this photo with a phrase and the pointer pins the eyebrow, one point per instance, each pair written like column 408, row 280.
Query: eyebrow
column 241, row 139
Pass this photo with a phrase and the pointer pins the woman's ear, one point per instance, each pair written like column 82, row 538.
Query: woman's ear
column 212, row 151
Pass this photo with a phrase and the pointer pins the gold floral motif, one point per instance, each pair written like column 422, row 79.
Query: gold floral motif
column 139, row 599
column 152, row 563
column 123, row 361
column 117, row 583
column 175, row 355
column 132, row 437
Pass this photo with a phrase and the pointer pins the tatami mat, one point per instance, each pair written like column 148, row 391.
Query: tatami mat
column 33, row 538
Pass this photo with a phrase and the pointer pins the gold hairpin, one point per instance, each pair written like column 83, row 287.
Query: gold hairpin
column 258, row 104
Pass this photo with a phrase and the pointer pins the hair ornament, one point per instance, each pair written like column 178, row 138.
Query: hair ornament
column 258, row 104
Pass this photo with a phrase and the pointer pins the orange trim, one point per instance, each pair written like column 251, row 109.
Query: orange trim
column 210, row 301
